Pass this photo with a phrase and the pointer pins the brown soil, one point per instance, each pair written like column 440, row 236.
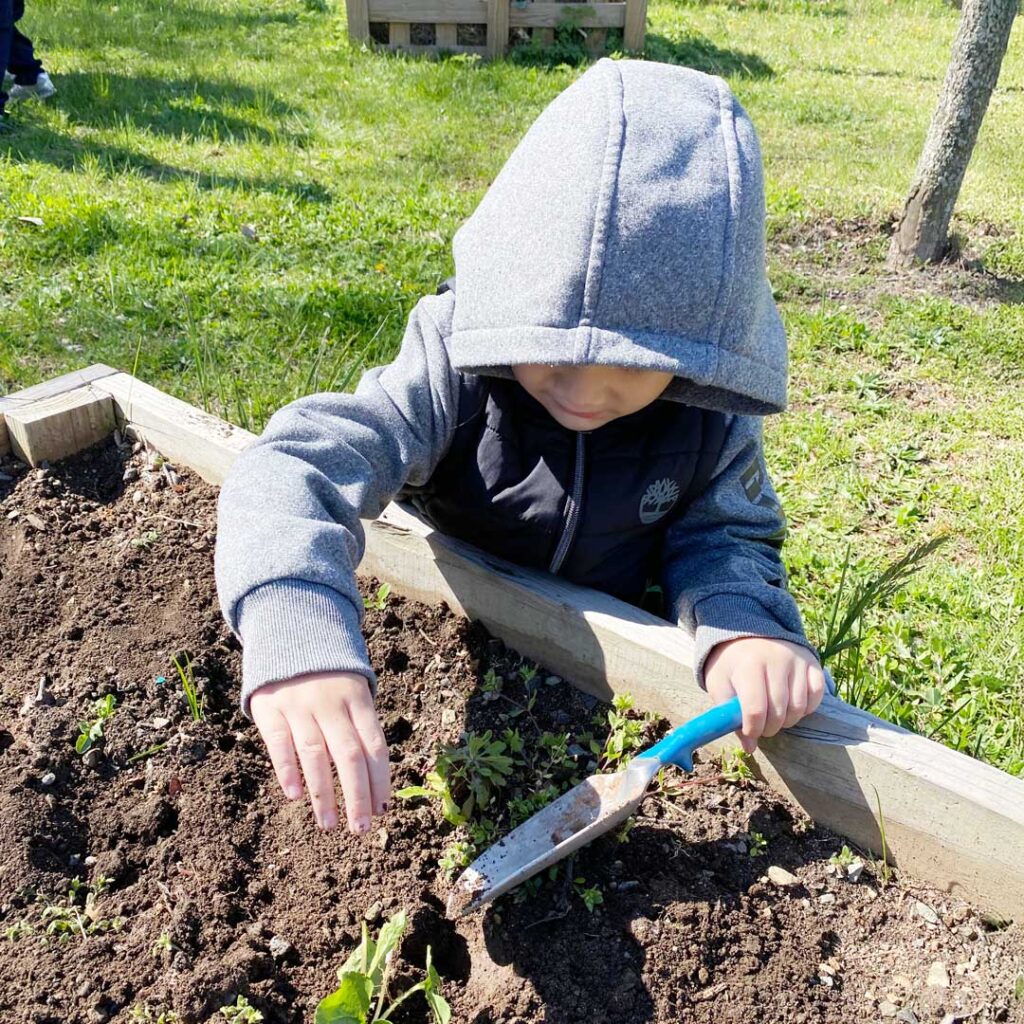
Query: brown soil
column 220, row 887
column 845, row 260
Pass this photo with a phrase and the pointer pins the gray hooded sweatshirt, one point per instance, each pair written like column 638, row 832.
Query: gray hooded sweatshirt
column 627, row 229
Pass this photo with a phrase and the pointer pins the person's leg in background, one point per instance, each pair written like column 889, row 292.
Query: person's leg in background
column 30, row 80
column 6, row 34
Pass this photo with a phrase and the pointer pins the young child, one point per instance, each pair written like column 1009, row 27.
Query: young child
column 586, row 400
column 23, row 74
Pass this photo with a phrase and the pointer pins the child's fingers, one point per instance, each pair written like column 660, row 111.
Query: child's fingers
column 815, row 687
column 752, row 691
column 316, row 766
column 347, row 751
column 797, row 696
column 778, row 673
column 375, row 747
column 277, row 736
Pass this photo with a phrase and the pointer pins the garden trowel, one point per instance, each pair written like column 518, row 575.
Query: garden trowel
column 588, row 810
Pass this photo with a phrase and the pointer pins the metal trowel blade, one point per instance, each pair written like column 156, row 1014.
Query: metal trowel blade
column 587, row 811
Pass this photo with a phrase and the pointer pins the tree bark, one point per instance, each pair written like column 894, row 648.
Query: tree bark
column 978, row 49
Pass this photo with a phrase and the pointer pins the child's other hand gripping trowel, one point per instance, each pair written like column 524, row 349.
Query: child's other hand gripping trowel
column 588, row 810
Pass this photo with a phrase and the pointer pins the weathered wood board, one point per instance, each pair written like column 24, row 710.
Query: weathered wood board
column 949, row 820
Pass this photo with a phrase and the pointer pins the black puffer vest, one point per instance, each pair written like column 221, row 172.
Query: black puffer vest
column 592, row 507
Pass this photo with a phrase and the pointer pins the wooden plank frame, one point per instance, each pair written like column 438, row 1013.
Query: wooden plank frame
column 949, row 820
column 499, row 16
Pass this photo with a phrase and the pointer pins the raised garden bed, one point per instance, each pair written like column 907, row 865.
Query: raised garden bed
column 218, row 888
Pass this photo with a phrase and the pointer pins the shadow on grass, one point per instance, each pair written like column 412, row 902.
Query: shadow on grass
column 693, row 51
column 35, row 142
column 177, row 107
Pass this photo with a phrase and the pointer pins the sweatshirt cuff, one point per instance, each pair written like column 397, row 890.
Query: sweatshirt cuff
column 291, row 627
column 725, row 617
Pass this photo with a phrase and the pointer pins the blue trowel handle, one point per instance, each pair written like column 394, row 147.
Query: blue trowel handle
column 678, row 746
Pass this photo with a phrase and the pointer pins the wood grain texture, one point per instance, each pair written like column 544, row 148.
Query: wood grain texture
column 53, row 428
column 635, row 32
column 358, row 14
column 455, row 11
column 46, row 389
column 596, row 15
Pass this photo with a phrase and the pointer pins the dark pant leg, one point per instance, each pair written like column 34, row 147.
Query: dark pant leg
column 21, row 60
column 6, row 34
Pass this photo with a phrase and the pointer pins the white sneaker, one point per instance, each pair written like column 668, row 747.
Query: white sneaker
column 42, row 89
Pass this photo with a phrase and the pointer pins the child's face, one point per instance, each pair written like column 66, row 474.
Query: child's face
column 588, row 397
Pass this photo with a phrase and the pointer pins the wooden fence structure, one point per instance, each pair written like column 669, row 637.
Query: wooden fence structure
column 487, row 27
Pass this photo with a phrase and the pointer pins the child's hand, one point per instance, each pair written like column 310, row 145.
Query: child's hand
column 324, row 716
column 777, row 682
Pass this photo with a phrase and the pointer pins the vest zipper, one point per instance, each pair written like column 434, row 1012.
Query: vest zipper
column 571, row 515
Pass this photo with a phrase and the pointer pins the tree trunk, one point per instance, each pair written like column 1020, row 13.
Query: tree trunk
column 978, row 49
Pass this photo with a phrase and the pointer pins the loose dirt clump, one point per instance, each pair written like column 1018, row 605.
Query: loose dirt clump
column 160, row 869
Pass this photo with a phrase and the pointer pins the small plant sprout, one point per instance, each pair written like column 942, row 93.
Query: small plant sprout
column 527, row 673
column 591, row 895
column 736, row 765
column 242, row 1012
column 162, row 944
column 757, row 845
column 626, row 733
column 18, row 930
column 846, row 864
column 364, row 981
column 465, row 777
column 379, row 601
column 90, row 731
column 196, row 704
column 622, row 833
column 143, row 1014
column 490, row 688
column 146, row 540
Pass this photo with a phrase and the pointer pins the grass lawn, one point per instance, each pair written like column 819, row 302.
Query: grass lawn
column 178, row 123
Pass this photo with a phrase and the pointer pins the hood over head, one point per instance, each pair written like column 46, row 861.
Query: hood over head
column 627, row 228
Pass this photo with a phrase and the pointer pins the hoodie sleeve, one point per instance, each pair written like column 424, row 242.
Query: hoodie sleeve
column 288, row 531
column 724, row 576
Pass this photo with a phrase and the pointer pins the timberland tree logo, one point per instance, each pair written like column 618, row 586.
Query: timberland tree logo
column 658, row 499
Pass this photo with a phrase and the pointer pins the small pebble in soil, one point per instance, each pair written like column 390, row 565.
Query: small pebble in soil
column 887, row 1009
column 907, row 1015
column 781, row 877
column 279, row 947
column 938, row 976
column 48, row 779
column 373, row 912
column 92, row 758
column 925, row 912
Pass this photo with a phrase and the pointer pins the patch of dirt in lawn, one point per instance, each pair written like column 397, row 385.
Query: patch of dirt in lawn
column 216, row 886
column 845, row 261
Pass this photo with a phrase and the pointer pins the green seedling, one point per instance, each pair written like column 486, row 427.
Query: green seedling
column 18, row 930
column 843, row 859
column 591, row 895
column 465, row 777
column 69, row 917
column 490, row 688
column 148, row 752
column 457, row 855
column 196, row 704
column 145, row 540
column 364, row 980
column 162, row 945
column 757, row 845
column 622, row 833
column 379, row 601
column 736, row 765
column 527, row 673
column 92, row 730
column 242, row 1012
column 142, row 1014
column 1018, row 988
column 626, row 734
